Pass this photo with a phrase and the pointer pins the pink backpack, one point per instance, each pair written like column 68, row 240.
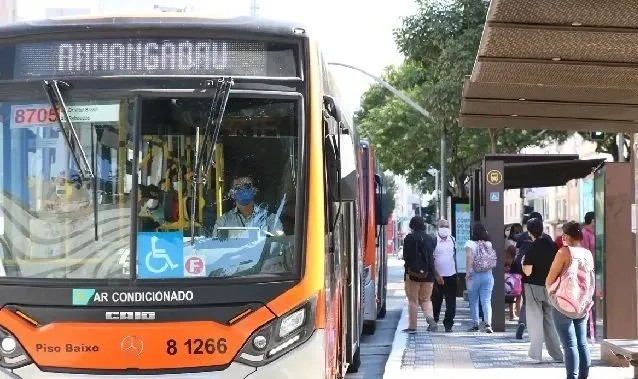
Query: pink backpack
column 484, row 258
column 572, row 293
column 513, row 284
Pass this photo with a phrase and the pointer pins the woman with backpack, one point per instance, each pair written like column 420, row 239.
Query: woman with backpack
column 480, row 260
column 418, row 253
column 570, row 284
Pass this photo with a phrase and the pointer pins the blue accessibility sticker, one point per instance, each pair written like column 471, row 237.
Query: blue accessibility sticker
column 160, row 255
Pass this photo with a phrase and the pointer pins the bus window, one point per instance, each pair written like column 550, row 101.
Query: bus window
column 51, row 229
column 239, row 220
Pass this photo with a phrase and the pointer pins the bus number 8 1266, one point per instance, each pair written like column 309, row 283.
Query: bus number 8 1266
column 198, row 346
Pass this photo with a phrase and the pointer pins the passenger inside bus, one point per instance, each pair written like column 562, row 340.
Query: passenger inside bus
column 151, row 214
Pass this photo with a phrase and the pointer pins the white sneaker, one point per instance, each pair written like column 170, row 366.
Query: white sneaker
column 531, row 360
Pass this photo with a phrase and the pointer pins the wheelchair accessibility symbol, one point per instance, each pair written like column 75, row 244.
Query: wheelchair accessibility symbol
column 160, row 255
column 156, row 256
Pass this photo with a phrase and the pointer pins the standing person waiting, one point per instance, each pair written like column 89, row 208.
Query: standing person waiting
column 523, row 245
column 480, row 260
column 445, row 286
column 571, row 283
column 418, row 253
column 540, row 319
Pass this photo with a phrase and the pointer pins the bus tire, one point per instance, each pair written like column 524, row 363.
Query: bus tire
column 382, row 311
column 356, row 361
column 369, row 327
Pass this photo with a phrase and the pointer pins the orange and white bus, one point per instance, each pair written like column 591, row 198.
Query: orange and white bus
column 179, row 198
column 375, row 260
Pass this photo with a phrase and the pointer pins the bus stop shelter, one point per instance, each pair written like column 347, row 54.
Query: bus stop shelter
column 500, row 172
column 557, row 64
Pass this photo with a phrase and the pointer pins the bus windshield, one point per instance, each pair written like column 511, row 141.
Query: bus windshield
column 235, row 220
column 242, row 222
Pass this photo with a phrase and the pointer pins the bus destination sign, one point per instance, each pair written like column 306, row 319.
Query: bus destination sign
column 140, row 57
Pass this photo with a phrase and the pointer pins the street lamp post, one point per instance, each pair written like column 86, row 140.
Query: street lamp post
column 442, row 206
column 435, row 173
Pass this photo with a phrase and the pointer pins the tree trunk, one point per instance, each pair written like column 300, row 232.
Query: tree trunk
column 493, row 133
column 459, row 186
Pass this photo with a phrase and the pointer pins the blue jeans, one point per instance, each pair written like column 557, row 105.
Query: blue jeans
column 480, row 285
column 573, row 337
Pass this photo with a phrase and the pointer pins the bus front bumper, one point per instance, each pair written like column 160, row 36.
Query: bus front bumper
column 305, row 361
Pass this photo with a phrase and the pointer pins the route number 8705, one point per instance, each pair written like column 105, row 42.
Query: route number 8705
column 198, row 346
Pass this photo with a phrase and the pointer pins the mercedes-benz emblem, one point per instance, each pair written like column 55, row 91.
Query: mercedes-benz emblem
column 132, row 345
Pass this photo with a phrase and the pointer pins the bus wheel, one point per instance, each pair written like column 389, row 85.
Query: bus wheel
column 369, row 327
column 381, row 313
column 356, row 361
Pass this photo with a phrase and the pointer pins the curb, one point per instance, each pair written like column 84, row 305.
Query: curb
column 393, row 364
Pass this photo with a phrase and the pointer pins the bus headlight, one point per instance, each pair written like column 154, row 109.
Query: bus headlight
column 280, row 335
column 260, row 342
column 291, row 322
column 12, row 354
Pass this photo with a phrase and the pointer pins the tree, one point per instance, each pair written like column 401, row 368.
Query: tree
column 609, row 145
column 440, row 44
column 429, row 212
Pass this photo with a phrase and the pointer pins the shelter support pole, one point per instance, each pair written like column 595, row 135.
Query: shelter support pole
column 494, row 221
column 616, row 256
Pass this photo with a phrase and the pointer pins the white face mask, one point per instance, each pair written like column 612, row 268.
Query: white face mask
column 152, row 203
column 444, row 232
column 175, row 185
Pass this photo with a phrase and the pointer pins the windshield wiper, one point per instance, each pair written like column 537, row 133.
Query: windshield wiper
column 205, row 154
column 52, row 89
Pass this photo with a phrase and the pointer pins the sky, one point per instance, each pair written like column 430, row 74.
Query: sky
column 355, row 32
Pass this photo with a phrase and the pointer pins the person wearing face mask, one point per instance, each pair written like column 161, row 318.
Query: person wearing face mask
column 246, row 212
column 151, row 215
column 445, row 285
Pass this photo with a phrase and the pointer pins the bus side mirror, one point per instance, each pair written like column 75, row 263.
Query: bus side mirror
column 332, row 166
column 378, row 201
column 331, row 108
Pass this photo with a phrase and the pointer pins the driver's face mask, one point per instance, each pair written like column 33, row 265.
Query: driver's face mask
column 243, row 193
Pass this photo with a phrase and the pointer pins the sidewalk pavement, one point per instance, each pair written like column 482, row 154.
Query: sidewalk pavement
column 475, row 355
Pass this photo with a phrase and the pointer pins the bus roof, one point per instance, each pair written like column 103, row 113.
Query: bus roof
column 153, row 21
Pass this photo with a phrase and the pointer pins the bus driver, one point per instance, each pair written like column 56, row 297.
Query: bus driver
column 246, row 213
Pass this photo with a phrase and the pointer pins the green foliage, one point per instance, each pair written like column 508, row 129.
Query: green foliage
column 429, row 212
column 609, row 145
column 440, row 44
